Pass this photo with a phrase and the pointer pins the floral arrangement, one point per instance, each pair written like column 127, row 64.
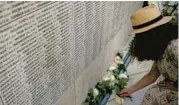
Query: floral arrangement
column 170, row 10
column 114, row 79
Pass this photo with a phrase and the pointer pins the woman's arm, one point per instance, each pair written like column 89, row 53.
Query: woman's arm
column 148, row 79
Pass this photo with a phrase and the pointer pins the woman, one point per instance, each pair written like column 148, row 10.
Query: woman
column 155, row 39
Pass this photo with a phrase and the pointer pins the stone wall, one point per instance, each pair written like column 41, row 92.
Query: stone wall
column 51, row 53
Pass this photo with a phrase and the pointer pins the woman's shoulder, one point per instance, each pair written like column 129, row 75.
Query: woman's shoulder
column 172, row 51
column 174, row 42
column 173, row 46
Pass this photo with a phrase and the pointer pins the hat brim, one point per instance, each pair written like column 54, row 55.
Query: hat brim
column 164, row 20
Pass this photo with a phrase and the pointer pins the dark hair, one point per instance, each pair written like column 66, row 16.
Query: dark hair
column 150, row 45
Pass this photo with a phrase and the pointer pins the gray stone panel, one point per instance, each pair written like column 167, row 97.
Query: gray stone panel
column 47, row 49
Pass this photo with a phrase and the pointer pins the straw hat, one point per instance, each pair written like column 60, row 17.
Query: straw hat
column 147, row 18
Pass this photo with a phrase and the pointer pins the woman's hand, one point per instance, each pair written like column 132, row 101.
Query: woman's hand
column 126, row 92
column 167, row 85
column 148, row 79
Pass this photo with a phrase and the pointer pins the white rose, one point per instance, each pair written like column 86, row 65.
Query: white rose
column 119, row 100
column 122, row 75
column 112, row 78
column 112, row 68
column 121, row 62
column 117, row 58
column 106, row 78
column 95, row 92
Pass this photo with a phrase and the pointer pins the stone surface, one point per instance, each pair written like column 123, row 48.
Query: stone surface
column 69, row 98
column 52, row 52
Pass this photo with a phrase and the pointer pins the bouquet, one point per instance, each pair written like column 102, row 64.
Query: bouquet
column 114, row 79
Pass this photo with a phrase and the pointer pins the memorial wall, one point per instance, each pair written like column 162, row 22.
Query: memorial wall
column 51, row 53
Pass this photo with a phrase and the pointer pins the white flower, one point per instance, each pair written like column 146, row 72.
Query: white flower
column 106, row 78
column 112, row 68
column 118, row 60
column 121, row 62
column 109, row 79
column 122, row 75
column 95, row 92
column 119, row 100
column 112, row 78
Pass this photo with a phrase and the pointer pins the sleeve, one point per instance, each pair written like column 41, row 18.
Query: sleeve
column 173, row 52
column 173, row 55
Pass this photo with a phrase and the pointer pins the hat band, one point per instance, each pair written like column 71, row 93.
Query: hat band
column 148, row 23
